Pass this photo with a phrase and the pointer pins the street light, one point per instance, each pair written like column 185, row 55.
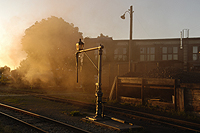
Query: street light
column 79, row 45
column 130, row 11
column 123, row 16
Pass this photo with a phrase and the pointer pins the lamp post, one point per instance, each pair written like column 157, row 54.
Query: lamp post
column 130, row 11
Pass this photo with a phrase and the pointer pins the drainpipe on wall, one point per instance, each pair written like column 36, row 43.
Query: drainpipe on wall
column 184, row 44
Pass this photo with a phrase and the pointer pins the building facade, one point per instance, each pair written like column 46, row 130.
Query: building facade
column 146, row 55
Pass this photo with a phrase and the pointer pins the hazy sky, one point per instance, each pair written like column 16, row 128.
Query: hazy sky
column 151, row 19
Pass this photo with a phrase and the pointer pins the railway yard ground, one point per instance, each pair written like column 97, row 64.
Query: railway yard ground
column 29, row 100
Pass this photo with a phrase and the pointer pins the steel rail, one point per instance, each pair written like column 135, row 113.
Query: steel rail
column 158, row 116
column 155, row 120
column 146, row 116
column 72, row 128
column 21, row 121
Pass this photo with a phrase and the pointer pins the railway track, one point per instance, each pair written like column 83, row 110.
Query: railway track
column 177, row 123
column 181, row 124
column 38, row 122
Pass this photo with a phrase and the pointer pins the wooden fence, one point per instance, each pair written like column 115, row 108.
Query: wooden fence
column 142, row 83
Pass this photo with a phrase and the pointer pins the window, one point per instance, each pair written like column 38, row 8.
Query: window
column 195, row 53
column 195, row 49
column 147, row 53
column 164, row 57
column 169, row 53
column 164, row 50
column 175, row 49
column 120, row 54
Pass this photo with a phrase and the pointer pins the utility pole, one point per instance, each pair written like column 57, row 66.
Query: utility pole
column 130, row 41
column 130, row 11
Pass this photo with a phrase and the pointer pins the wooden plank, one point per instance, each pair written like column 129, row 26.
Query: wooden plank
column 149, row 81
column 142, row 91
column 130, row 85
column 181, row 99
column 112, row 89
column 161, row 87
column 130, row 80
column 155, row 81
column 152, row 87
column 130, row 100
column 175, row 95
column 117, row 84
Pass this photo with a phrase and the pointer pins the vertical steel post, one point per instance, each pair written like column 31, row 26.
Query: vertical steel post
column 77, row 67
column 142, row 91
column 130, row 41
column 99, row 93
column 175, row 94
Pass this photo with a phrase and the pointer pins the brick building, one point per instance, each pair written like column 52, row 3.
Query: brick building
column 146, row 54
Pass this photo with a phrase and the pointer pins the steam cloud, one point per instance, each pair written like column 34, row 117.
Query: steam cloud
column 50, row 47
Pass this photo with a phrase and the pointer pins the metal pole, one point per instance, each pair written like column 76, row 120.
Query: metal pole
column 77, row 67
column 99, row 93
column 130, row 41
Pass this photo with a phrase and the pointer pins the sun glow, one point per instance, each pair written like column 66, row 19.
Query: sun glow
column 10, row 49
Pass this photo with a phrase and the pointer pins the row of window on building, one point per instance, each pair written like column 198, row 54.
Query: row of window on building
column 148, row 53
column 168, row 53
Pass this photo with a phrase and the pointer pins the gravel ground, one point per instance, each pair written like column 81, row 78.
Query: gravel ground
column 61, row 112
column 11, row 126
column 55, row 110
